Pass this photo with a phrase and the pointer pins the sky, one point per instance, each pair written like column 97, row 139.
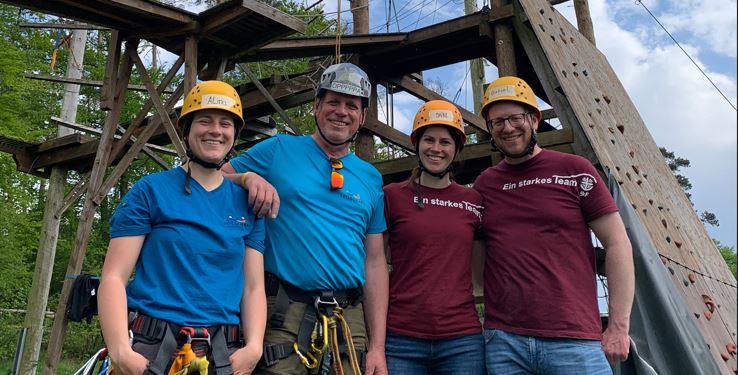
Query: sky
column 679, row 105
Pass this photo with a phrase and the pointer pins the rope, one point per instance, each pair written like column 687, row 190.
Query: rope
column 338, row 33
column 639, row 2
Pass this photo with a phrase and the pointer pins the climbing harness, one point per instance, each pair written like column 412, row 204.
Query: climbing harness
column 323, row 334
column 183, row 349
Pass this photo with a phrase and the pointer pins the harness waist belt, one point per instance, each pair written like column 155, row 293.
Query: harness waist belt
column 347, row 297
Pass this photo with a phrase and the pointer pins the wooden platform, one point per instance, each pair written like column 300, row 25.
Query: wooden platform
column 229, row 29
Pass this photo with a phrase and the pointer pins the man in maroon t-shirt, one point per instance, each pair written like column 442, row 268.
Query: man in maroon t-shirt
column 541, row 312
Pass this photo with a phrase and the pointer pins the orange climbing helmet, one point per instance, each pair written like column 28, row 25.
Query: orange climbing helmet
column 509, row 89
column 212, row 95
column 439, row 112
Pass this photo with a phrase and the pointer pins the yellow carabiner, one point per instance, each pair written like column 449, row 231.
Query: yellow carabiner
column 308, row 359
column 323, row 348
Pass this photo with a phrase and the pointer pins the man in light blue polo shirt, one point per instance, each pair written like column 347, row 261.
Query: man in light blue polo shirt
column 327, row 240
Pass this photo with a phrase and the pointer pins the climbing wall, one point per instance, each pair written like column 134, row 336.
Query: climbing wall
column 570, row 67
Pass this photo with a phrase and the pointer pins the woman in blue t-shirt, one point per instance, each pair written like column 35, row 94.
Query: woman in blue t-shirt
column 196, row 250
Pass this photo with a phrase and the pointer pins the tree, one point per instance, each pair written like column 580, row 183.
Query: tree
column 676, row 163
column 728, row 253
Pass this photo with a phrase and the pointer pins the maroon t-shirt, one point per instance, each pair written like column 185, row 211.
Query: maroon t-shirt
column 430, row 283
column 539, row 275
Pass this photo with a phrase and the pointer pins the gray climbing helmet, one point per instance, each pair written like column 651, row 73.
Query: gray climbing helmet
column 345, row 78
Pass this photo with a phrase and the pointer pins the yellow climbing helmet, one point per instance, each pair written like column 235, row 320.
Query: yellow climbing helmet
column 508, row 88
column 212, row 95
column 439, row 112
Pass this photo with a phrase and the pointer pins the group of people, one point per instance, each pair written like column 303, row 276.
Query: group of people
column 276, row 261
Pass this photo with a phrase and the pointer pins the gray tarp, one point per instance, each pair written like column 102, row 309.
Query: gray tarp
column 664, row 338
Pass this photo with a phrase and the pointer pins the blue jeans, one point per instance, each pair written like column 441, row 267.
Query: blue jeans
column 509, row 354
column 463, row 355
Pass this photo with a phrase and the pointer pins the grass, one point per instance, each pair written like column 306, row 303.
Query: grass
column 66, row 366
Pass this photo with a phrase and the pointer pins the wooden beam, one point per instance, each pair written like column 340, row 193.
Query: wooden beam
column 503, row 44
column 388, row 134
column 149, row 148
column 421, row 92
column 190, row 53
column 107, row 94
column 160, row 109
column 73, row 195
column 255, row 80
column 144, row 111
column 61, row 25
column 473, row 156
column 135, row 149
column 83, row 82
column 81, row 240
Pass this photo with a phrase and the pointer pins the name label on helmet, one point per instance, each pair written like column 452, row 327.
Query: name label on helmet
column 505, row 90
column 440, row 114
column 219, row 100
column 346, row 89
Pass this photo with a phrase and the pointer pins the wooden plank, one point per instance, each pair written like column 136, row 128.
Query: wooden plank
column 161, row 10
column 111, row 68
column 503, row 44
column 62, row 25
column 160, row 109
column 76, row 258
column 135, row 148
column 389, row 134
column 190, row 53
column 274, row 14
column 559, row 140
column 80, row 81
column 419, row 91
column 66, row 141
column 144, row 111
column 255, row 80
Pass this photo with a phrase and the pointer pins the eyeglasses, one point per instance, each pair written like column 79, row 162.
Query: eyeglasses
column 336, row 177
column 515, row 120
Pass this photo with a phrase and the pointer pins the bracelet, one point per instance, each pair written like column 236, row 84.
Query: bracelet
column 243, row 179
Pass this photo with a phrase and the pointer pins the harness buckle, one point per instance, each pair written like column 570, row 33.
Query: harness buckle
column 326, row 300
column 195, row 334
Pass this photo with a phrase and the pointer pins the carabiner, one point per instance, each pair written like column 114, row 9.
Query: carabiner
column 324, row 334
column 308, row 359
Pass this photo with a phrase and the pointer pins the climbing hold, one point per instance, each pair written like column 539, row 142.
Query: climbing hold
column 692, row 278
column 731, row 348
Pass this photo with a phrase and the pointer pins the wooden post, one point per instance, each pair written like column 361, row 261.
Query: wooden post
column 504, row 48
column 39, row 295
column 584, row 20
column 476, row 73
column 364, row 144
column 190, row 52
column 102, row 158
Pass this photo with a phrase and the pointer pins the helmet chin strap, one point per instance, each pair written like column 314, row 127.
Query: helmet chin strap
column 423, row 169
column 206, row 164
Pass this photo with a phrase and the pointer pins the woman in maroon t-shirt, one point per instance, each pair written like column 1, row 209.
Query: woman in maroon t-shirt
column 432, row 323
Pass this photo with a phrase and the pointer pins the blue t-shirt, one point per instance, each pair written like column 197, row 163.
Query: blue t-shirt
column 190, row 270
column 317, row 241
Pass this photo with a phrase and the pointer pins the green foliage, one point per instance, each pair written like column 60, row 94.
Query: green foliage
column 675, row 164
column 728, row 253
